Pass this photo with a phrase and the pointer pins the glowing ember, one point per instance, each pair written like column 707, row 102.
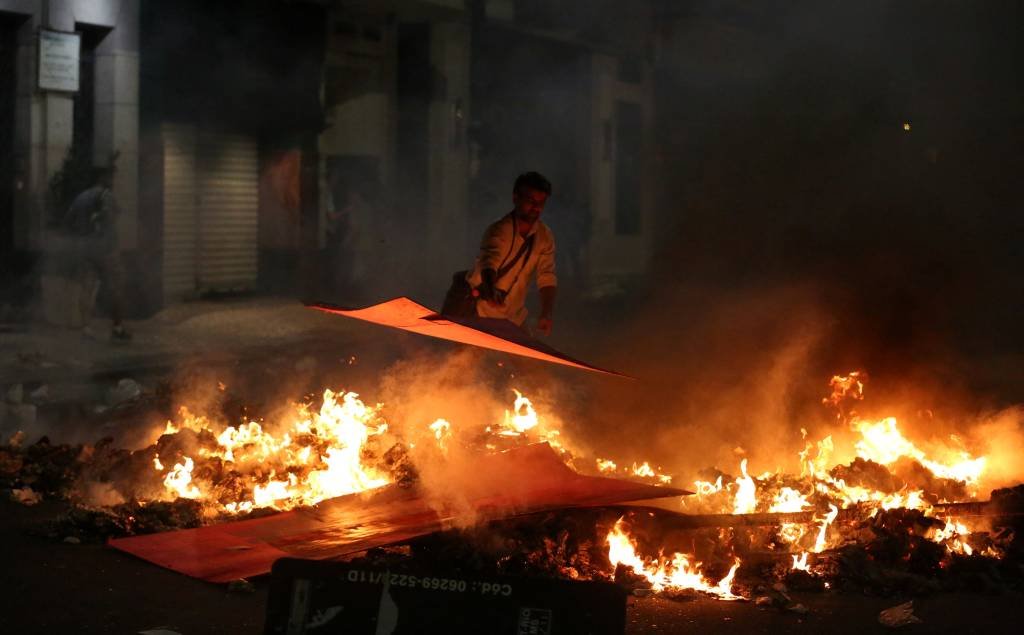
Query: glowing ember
column 606, row 465
column 675, row 573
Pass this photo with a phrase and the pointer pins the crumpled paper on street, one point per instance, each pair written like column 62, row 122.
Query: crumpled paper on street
column 899, row 615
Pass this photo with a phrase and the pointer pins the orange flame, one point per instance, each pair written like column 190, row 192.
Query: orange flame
column 675, row 573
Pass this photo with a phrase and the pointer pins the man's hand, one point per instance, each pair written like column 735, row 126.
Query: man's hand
column 488, row 292
column 544, row 325
column 490, row 295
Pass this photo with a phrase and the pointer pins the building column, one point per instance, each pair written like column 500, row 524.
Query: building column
column 44, row 119
column 116, row 123
column 43, row 128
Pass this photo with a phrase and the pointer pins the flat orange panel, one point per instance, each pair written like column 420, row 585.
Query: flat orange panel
column 494, row 334
column 520, row 481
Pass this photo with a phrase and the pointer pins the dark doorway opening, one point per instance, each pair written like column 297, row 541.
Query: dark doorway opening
column 83, row 133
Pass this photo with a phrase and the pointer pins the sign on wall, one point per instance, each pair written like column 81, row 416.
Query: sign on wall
column 58, row 60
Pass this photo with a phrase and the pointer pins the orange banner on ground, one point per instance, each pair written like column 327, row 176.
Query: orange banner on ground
column 521, row 481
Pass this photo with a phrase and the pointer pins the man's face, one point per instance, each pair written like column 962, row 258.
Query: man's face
column 529, row 203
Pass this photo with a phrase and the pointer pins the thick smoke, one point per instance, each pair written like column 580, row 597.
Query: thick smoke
column 807, row 232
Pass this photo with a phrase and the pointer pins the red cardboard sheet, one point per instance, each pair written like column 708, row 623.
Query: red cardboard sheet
column 497, row 335
column 520, row 481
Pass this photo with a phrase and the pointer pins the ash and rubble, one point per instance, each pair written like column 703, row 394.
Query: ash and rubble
column 886, row 555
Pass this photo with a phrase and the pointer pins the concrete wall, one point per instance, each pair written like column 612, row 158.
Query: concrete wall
column 44, row 120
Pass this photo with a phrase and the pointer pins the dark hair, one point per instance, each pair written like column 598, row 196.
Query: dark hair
column 533, row 180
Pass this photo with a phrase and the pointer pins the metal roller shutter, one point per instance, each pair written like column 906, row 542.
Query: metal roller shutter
column 228, row 183
column 180, row 226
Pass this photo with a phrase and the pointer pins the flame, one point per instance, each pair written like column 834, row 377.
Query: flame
column 883, row 443
column 522, row 418
column 179, row 480
column 819, row 542
column 442, row 430
column 643, row 470
column 954, row 536
column 704, row 488
column 311, row 455
column 800, row 562
column 746, row 493
column 879, row 441
column 846, row 387
column 318, row 456
column 789, row 500
column 675, row 573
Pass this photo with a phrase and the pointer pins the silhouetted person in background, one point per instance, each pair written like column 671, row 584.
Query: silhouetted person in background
column 91, row 221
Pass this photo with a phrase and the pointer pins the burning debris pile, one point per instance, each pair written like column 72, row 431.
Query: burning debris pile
column 892, row 517
column 202, row 469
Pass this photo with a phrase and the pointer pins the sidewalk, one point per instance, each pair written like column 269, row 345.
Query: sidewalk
column 246, row 327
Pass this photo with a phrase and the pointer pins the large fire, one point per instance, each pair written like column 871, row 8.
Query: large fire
column 345, row 446
column 882, row 452
column 311, row 455
column 889, row 472
column 319, row 455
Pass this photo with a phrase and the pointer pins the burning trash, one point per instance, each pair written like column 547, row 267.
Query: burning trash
column 895, row 515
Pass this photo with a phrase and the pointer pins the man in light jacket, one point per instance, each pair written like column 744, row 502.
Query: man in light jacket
column 513, row 250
